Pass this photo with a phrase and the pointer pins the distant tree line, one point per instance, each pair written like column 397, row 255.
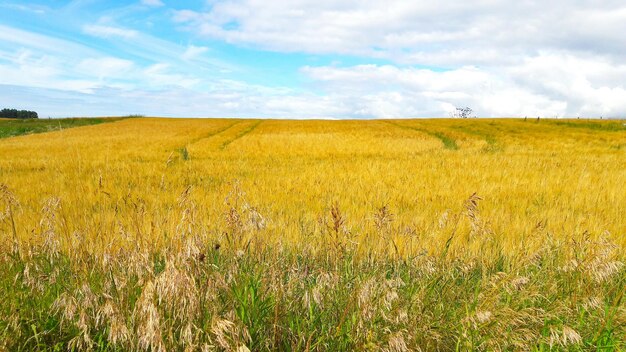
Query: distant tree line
column 18, row 114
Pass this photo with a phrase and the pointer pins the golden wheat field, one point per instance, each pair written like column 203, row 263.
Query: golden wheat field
column 390, row 235
column 535, row 180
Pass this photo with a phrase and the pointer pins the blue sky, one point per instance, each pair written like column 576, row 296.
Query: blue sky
column 312, row 59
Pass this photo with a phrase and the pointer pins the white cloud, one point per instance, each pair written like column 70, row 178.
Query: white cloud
column 37, row 9
column 155, row 3
column 499, row 57
column 105, row 67
column 550, row 84
column 161, row 75
column 503, row 58
column 223, row 101
column 104, row 31
column 36, row 70
column 151, row 48
column 12, row 38
column 441, row 33
column 193, row 52
column 31, row 68
column 589, row 85
column 31, row 59
column 572, row 87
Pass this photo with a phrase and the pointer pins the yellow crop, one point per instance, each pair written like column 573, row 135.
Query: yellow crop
column 388, row 186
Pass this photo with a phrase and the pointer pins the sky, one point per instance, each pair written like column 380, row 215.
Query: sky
column 314, row 58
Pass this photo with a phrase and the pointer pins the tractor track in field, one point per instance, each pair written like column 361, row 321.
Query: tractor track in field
column 448, row 142
column 212, row 134
column 184, row 152
column 241, row 134
column 493, row 144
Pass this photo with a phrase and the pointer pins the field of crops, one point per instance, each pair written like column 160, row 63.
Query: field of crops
column 265, row 235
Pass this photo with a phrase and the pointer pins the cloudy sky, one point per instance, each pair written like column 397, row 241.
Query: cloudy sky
column 313, row 58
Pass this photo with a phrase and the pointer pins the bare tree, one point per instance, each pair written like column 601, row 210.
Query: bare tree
column 463, row 112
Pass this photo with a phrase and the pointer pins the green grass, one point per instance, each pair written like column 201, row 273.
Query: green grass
column 613, row 126
column 184, row 153
column 492, row 143
column 447, row 141
column 294, row 301
column 15, row 127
